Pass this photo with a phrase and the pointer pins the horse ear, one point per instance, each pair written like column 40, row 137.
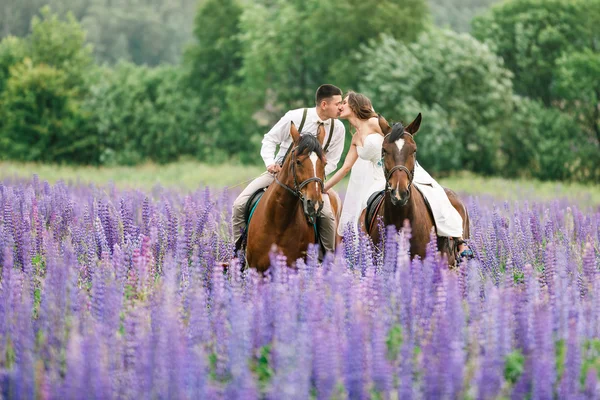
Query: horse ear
column 295, row 134
column 414, row 126
column 384, row 125
column 321, row 134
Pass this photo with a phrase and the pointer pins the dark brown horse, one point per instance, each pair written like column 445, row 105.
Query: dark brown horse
column 285, row 216
column 402, row 201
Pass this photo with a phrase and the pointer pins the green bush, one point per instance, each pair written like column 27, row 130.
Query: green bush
column 143, row 114
column 547, row 144
column 461, row 87
column 12, row 51
column 41, row 118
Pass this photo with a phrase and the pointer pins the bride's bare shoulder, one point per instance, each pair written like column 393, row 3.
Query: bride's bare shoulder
column 374, row 124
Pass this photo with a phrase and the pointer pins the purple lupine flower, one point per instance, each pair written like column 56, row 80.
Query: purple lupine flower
column 592, row 389
column 569, row 383
column 146, row 216
column 543, row 363
column 382, row 370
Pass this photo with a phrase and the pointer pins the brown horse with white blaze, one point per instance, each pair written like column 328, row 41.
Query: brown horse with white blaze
column 402, row 201
column 286, row 214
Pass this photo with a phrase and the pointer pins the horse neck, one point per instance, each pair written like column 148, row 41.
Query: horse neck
column 395, row 215
column 281, row 195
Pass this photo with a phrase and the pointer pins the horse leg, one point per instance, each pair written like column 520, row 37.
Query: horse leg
column 464, row 213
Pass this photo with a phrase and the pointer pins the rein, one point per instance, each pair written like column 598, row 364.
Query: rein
column 296, row 191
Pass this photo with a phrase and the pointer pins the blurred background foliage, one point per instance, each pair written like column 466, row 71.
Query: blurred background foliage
column 506, row 88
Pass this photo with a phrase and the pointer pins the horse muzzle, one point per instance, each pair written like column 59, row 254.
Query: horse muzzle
column 312, row 209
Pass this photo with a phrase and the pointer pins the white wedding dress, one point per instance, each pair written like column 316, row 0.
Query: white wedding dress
column 367, row 177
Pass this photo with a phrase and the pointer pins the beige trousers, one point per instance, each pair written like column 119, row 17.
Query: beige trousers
column 326, row 219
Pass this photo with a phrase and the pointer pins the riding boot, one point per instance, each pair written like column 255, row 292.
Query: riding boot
column 327, row 227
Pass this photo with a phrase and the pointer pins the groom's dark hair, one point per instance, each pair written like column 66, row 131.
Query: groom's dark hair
column 325, row 92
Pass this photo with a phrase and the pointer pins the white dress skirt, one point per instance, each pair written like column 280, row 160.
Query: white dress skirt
column 366, row 177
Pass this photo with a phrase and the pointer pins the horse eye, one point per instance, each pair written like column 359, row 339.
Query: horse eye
column 298, row 162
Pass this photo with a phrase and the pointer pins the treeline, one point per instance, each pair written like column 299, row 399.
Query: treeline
column 144, row 32
column 153, row 32
column 518, row 98
column 458, row 14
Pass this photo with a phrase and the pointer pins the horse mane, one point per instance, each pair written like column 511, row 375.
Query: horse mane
column 310, row 144
column 397, row 132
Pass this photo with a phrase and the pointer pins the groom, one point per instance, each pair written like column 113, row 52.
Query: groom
column 328, row 99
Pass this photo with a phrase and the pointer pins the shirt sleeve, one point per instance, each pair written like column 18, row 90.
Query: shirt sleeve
column 336, row 147
column 274, row 137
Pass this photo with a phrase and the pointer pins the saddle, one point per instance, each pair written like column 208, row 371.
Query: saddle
column 374, row 204
column 248, row 211
column 252, row 203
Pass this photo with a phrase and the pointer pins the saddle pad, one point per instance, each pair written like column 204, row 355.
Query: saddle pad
column 373, row 204
column 376, row 200
column 252, row 203
column 251, row 206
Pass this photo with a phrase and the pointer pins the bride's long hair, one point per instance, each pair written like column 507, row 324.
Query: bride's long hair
column 360, row 105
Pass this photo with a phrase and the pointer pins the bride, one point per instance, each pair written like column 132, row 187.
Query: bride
column 367, row 175
column 363, row 159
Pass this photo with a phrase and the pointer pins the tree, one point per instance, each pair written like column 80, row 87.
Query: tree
column 458, row 14
column 531, row 35
column 12, row 51
column 547, row 144
column 461, row 87
column 61, row 44
column 142, row 114
column 292, row 47
column 41, row 118
column 578, row 83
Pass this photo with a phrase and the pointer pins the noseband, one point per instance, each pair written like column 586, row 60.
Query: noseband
column 388, row 174
column 296, row 191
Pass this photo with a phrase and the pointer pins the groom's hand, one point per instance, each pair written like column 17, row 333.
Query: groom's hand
column 274, row 168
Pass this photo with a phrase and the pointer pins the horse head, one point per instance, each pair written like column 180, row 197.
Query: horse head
column 399, row 153
column 303, row 171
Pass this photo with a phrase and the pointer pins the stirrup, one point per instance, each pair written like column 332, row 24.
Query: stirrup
column 468, row 254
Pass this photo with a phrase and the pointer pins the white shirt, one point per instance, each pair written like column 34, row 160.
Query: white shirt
column 280, row 135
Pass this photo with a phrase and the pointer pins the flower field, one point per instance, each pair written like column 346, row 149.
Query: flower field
column 112, row 293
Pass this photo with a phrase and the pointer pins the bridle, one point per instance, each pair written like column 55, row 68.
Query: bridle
column 388, row 174
column 297, row 190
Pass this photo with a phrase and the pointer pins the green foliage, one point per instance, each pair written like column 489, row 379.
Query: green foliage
column 457, row 14
column 289, row 48
column 40, row 115
column 513, row 366
column 560, row 349
column 547, row 144
column 591, row 358
column 394, row 342
column 41, row 118
column 61, row 44
column 578, row 83
column 215, row 57
column 261, row 366
column 530, row 35
column 145, row 32
column 12, row 51
column 461, row 87
column 143, row 113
